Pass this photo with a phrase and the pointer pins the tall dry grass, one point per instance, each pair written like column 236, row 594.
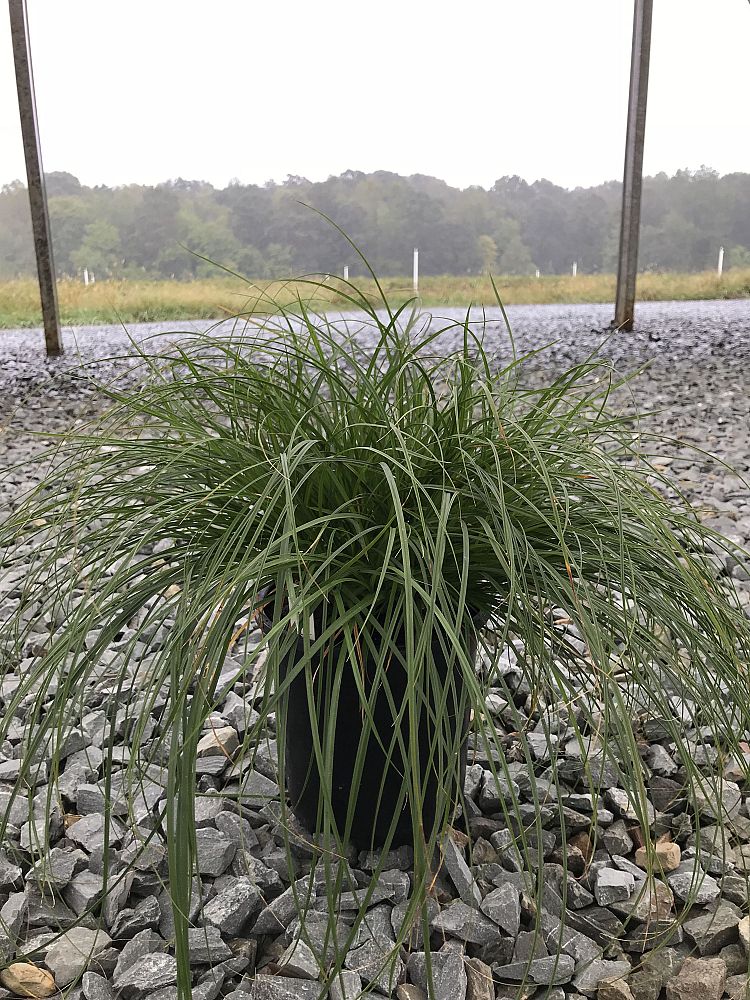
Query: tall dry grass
column 151, row 301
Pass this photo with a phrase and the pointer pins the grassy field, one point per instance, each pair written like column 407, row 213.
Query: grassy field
column 150, row 301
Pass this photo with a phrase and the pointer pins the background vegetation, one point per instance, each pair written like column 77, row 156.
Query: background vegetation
column 141, row 232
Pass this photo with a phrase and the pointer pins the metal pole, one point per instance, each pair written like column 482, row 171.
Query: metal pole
column 415, row 271
column 575, row 268
column 346, row 272
column 19, row 29
column 627, row 264
column 720, row 263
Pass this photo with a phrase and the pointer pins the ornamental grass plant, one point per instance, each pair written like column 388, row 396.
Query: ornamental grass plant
column 383, row 496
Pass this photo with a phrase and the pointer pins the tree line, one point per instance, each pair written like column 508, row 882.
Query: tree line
column 178, row 228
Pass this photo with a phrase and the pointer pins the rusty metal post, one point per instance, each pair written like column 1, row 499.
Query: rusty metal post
column 627, row 264
column 19, row 29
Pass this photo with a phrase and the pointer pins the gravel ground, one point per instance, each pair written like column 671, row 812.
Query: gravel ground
column 491, row 939
column 695, row 352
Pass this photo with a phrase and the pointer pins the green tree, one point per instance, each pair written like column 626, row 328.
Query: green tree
column 487, row 252
column 101, row 250
column 249, row 262
column 206, row 233
column 269, row 230
column 738, row 257
column 514, row 256
column 16, row 240
column 670, row 246
column 60, row 183
column 69, row 218
column 148, row 222
column 278, row 261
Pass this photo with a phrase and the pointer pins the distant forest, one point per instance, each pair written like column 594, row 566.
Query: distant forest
column 138, row 231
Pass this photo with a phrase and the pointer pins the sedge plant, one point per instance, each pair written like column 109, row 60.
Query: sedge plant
column 375, row 489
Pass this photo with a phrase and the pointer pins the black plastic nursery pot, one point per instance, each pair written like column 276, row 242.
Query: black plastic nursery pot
column 379, row 790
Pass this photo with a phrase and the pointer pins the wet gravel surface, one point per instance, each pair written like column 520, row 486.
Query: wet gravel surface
column 696, row 355
column 490, row 939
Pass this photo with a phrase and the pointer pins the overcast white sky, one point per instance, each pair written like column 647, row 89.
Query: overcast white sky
column 468, row 91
